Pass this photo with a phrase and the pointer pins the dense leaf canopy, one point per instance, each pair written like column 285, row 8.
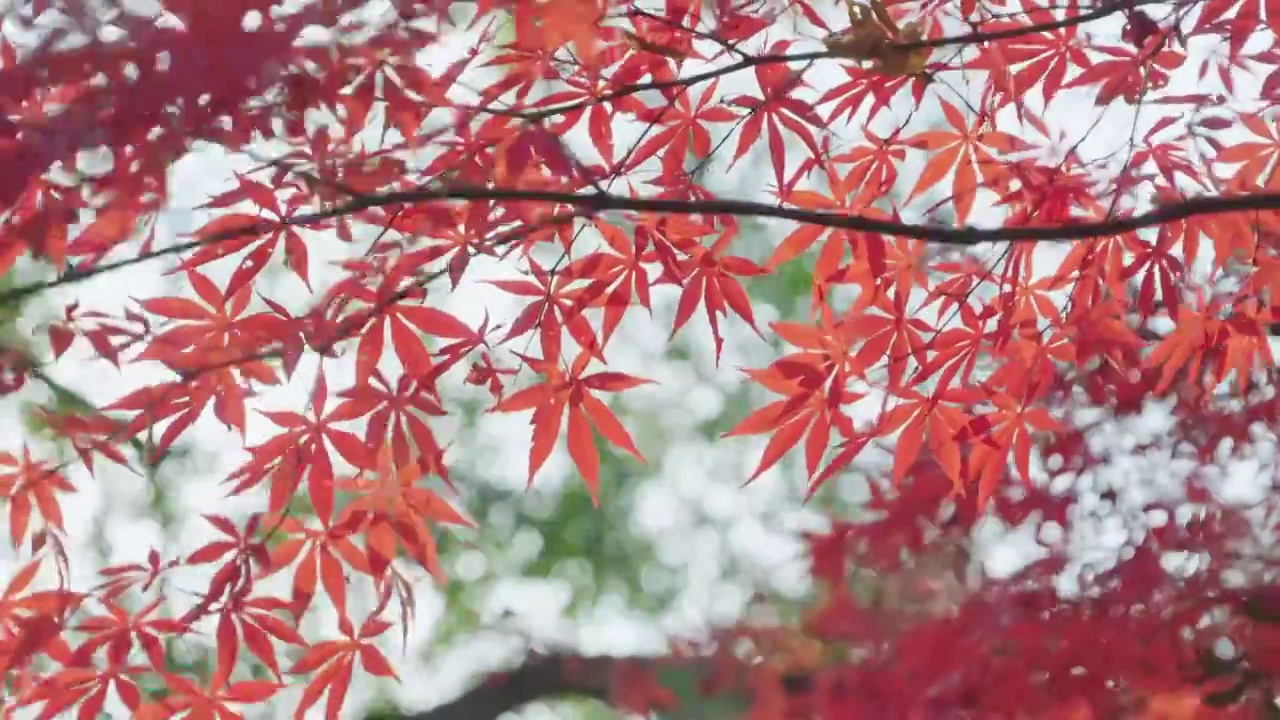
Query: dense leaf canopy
column 1021, row 232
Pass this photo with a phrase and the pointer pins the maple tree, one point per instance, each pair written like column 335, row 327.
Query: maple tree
column 1005, row 218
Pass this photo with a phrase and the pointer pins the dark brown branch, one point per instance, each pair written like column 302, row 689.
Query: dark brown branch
column 1108, row 9
column 540, row 678
column 1104, row 10
column 973, row 38
column 600, row 202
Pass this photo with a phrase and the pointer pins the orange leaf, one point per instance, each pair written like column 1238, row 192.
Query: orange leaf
column 230, row 226
column 582, row 449
column 782, row 441
column 608, row 425
column 375, row 662
column 228, row 648
column 252, row 691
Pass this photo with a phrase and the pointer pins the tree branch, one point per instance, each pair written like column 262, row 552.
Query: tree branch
column 976, row 37
column 540, row 678
column 621, row 682
column 590, row 203
column 599, row 202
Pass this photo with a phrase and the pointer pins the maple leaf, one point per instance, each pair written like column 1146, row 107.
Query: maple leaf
column 30, row 485
column 571, row 392
column 684, row 132
column 615, row 277
column 1006, row 429
column 557, row 306
column 1129, row 72
column 335, row 660
column 936, row 420
column 305, row 438
column 118, row 579
column 553, row 23
column 196, row 700
column 406, row 324
column 815, row 383
column 391, row 508
column 321, row 554
column 928, row 330
column 775, row 111
column 870, row 248
column 967, row 149
column 398, row 413
column 708, row 277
